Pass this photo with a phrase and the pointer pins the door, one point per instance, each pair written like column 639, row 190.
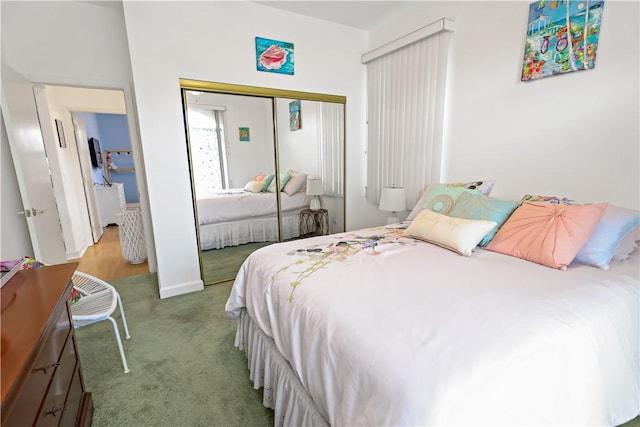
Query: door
column 32, row 168
column 88, row 182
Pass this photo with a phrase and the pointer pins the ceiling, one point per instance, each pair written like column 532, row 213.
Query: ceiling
column 362, row 14
column 359, row 14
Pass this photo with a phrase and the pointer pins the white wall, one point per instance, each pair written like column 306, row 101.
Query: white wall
column 166, row 43
column 74, row 217
column 574, row 135
column 298, row 149
column 65, row 174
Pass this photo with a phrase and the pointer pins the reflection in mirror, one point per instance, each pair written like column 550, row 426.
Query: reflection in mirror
column 231, row 145
column 314, row 146
column 233, row 137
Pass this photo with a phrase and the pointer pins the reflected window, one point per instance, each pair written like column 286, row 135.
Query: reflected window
column 208, row 152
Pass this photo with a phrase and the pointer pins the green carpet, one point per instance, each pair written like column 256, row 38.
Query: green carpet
column 184, row 369
column 223, row 264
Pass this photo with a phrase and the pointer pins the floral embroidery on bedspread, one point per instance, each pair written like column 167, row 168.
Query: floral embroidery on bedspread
column 320, row 256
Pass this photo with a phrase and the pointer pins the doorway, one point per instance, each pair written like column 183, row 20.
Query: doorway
column 95, row 123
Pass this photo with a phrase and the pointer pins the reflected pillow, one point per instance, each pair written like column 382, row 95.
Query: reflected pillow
column 284, row 178
column 483, row 186
column 547, row 233
column 266, row 182
column 479, row 206
column 456, row 234
column 259, row 177
column 295, row 184
column 612, row 229
column 254, row 186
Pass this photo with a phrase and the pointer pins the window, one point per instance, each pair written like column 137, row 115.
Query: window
column 405, row 112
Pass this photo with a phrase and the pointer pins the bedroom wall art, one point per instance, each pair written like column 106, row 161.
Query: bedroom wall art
column 562, row 36
column 244, row 134
column 274, row 56
column 295, row 117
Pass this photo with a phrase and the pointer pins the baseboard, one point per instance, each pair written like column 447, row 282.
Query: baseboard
column 76, row 254
column 180, row 289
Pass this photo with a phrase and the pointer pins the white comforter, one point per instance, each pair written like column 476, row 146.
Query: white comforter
column 236, row 204
column 386, row 330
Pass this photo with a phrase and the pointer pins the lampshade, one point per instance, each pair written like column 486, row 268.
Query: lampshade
column 392, row 199
column 314, row 187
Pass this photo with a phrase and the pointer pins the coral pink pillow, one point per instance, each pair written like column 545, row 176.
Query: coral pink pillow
column 547, row 233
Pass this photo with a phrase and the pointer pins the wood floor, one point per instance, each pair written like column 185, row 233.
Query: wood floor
column 104, row 259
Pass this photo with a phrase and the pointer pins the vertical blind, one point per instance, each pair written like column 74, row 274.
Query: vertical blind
column 405, row 114
column 331, row 147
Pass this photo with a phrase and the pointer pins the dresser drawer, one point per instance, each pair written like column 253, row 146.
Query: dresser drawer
column 74, row 399
column 54, row 405
column 39, row 375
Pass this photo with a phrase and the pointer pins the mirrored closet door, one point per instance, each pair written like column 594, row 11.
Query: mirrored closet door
column 252, row 153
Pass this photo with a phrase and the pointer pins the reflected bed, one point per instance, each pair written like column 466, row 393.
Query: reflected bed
column 235, row 217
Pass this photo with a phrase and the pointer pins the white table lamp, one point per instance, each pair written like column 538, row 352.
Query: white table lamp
column 392, row 199
column 314, row 189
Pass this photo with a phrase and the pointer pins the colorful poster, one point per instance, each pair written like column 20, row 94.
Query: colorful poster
column 244, row 134
column 562, row 36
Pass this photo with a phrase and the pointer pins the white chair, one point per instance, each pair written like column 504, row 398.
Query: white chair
column 97, row 303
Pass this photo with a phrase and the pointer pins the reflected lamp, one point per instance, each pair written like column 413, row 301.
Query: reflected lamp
column 392, row 199
column 314, row 189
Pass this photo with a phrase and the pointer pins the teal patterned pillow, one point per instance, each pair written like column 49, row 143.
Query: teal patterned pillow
column 284, row 178
column 267, row 182
column 442, row 198
column 479, row 206
column 483, row 186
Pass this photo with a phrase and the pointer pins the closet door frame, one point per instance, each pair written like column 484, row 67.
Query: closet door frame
column 263, row 92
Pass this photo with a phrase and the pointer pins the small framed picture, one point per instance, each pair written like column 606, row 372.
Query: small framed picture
column 295, row 119
column 61, row 140
column 244, row 134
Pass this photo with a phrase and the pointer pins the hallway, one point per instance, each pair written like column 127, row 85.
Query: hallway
column 104, row 259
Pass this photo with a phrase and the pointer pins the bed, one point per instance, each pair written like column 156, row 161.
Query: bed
column 235, row 217
column 372, row 327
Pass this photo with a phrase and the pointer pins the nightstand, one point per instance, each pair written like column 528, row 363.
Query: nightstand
column 314, row 222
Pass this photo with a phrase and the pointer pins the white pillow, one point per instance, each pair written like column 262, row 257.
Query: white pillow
column 295, row 183
column 254, row 186
column 456, row 234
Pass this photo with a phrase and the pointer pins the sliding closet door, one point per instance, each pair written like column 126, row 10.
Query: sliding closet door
column 231, row 146
column 238, row 138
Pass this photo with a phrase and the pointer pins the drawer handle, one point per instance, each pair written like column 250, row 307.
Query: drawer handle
column 45, row 368
column 55, row 411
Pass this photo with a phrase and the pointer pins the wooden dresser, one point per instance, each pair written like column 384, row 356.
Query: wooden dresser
column 42, row 382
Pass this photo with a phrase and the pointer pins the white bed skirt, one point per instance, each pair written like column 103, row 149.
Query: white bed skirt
column 282, row 390
column 264, row 229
